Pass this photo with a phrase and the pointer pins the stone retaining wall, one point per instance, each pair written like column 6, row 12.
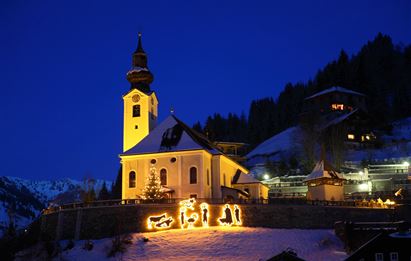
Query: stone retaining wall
column 100, row 222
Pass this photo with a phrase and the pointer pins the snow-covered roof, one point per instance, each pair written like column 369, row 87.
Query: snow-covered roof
column 323, row 170
column 137, row 69
column 172, row 135
column 242, row 178
column 280, row 142
column 338, row 119
column 335, row 89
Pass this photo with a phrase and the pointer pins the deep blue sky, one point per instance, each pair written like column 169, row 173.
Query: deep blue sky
column 63, row 66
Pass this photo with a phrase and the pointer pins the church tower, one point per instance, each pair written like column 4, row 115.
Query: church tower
column 140, row 103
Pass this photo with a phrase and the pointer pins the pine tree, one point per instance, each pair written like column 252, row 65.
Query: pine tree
column 103, row 194
column 152, row 189
column 116, row 189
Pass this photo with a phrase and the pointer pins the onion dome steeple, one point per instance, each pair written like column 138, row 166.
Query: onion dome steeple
column 139, row 76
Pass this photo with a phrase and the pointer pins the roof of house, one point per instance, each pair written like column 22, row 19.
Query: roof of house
column 172, row 135
column 287, row 255
column 242, row 178
column 384, row 242
column 338, row 119
column 242, row 192
column 323, row 170
column 334, row 89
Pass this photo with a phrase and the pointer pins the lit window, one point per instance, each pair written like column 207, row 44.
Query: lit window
column 367, row 137
column 193, row 175
column 394, row 256
column 132, row 179
column 136, row 110
column 379, row 257
column 350, row 136
column 163, row 177
column 337, row 107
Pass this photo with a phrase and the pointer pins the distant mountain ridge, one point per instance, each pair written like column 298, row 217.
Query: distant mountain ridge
column 28, row 198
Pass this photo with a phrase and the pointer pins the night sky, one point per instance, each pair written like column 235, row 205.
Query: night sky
column 63, row 67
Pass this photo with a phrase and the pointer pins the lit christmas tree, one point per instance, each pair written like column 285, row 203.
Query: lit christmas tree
column 152, row 189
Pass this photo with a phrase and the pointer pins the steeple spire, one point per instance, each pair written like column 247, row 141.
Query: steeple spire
column 139, row 45
column 139, row 76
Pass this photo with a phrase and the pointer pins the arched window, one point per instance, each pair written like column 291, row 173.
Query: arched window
column 208, row 177
column 132, row 179
column 193, row 175
column 136, row 110
column 163, row 177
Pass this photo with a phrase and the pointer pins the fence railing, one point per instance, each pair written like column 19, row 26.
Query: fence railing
column 271, row 201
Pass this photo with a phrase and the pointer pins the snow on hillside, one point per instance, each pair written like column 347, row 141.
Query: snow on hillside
column 401, row 130
column 28, row 197
column 280, row 145
column 217, row 243
column 397, row 147
column 47, row 190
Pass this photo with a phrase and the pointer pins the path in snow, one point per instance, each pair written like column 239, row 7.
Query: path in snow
column 219, row 244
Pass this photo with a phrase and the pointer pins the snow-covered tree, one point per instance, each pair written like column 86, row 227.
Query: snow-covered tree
column 152, row 189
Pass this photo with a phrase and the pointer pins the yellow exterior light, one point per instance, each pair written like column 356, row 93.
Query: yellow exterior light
column 230, row 216
column 159, row 221
column 350, row 136
column 388, row 202
column 205, row 216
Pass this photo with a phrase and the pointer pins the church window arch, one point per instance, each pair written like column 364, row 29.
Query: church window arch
column 193, row 175
column 136, row 110
column 132, row 179
column 163, row 176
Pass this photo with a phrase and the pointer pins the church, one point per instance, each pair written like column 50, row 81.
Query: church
column 188, row 164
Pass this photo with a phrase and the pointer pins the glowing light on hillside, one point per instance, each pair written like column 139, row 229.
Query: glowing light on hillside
column 266, row 176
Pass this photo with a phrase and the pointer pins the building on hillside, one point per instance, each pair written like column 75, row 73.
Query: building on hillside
column 325, row 183
column 335, row 99
column 341, row 108
column 188, row 164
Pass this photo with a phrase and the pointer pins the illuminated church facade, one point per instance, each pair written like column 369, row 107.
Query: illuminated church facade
column 189, row 165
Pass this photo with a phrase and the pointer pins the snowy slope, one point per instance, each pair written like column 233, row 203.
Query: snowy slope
column 219, row 243
column 47, row 190
column 397, row 146
column 280, row 145
column 28, row 197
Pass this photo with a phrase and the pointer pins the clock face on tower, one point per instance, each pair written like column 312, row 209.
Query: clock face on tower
column 136, row 98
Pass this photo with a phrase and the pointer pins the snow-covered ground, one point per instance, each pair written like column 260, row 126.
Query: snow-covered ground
column 217, row 243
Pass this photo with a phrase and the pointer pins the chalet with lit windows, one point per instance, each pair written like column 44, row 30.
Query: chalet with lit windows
column 188, row 164
column 338, row 107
